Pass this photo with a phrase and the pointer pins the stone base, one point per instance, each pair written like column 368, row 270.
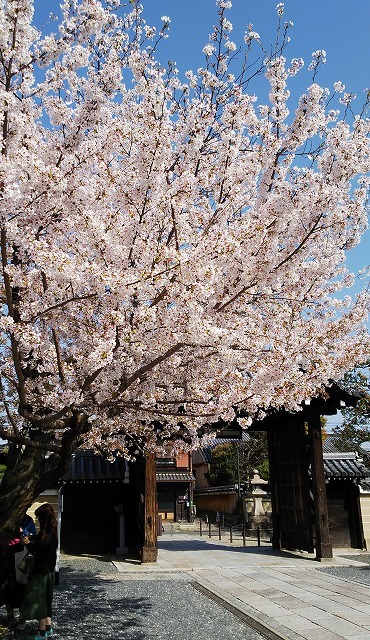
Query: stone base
column 121, row 551
column 324, row 551
column 149, row 554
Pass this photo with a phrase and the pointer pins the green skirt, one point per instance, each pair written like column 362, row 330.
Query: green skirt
column 37, row 601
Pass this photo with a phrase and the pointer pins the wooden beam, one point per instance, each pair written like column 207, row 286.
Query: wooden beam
column 149, row 550
column 324, row 547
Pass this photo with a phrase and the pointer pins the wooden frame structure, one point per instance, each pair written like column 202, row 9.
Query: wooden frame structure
column 299, row 505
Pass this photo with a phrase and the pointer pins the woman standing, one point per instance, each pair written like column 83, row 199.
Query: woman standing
column 37, row 601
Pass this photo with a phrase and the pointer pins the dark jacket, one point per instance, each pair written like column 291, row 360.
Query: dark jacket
column 44, row 549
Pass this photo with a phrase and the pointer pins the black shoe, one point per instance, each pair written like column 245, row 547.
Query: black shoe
column 20, row 626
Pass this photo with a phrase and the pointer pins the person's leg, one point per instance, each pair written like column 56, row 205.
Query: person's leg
column 50, row 591
column 10, row 590
column 49, row 627
column 9, row 613
column 42, row 624
column 42, row 629
column 45, row 629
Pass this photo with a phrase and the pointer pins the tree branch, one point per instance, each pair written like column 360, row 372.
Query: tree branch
column 27, row 442
column 46, row 421
column 88, row 296
column 7, row 410
column 151, row 365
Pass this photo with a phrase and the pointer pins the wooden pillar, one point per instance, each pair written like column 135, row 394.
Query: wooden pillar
column 323, row 542
column 276, row 533
column 149, row 550
column 356, row 527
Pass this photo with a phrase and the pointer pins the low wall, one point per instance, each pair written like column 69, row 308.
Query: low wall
column 52, row 497
column 212, row 501
column 224, row 500
column 365, row 513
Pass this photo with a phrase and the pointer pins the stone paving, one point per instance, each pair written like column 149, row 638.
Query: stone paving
column 290, row 594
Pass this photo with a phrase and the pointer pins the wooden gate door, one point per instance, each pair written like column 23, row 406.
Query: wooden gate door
column 290, row 487
column 181, row 509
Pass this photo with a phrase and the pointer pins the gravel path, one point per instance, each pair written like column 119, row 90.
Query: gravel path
column 93, row 600
column 355, row 573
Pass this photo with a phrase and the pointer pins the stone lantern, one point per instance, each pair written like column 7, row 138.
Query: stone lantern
column 258, row 503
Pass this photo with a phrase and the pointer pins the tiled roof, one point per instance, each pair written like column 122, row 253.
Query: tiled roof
column 86, row 466
column 365, row 485
column 344, row 465
column 227, row 489
column 180, row 476
column 330, row 445
column 206, row 452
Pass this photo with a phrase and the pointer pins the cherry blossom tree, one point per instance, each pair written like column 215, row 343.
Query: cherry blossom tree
column 173, row 252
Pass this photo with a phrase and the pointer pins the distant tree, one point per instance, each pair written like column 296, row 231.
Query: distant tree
column 355, row 428
column 223, row 465
column 224, row 462
column 324, row 433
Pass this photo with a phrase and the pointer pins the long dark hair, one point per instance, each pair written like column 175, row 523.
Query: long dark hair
column 46, row 517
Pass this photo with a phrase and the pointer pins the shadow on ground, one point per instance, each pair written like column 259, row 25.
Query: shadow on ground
column 86, row 608
column 105, row 605
column 202, row 545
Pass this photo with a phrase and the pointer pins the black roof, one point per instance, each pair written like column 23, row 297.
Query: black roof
column 87, row 466
column 206, row 452
column 344, row 465
column 176, row 476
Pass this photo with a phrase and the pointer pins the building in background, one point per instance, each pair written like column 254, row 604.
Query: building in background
column 175, row 486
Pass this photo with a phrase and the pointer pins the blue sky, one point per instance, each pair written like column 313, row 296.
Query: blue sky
column 338, row 26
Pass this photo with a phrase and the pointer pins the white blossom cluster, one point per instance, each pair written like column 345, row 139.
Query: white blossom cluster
column 318, row 57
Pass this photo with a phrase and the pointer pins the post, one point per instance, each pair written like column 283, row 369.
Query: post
column 219, row 530
column 323, row 543
column 238, row 470
column 243, row 531
column 200, row 526
column 209, row 530
column 121, row 550
column 191, row 500
column 231, row 533
column 258, row 537
column 149, row 550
